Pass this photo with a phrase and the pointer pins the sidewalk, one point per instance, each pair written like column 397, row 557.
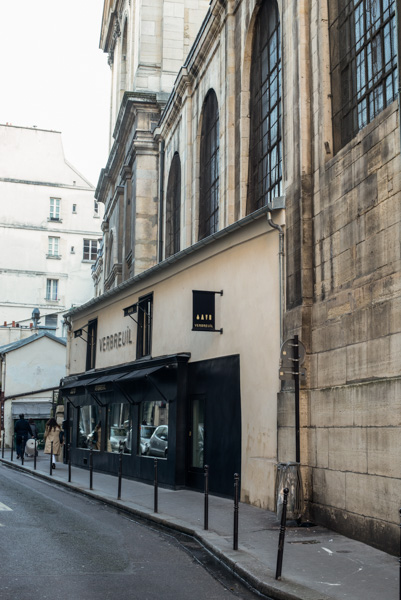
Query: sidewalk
column 318, row 564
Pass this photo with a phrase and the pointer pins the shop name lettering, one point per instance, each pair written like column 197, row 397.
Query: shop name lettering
column 202, row 321
column 117, row 340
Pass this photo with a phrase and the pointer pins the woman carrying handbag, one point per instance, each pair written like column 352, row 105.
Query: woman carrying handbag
column 52, row 434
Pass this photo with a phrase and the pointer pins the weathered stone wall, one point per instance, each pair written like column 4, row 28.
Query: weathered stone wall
column 349, row 320
column 355, row 403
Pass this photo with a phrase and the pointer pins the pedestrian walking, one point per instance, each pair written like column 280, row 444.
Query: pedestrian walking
column 34, row 429
column 52, row 434
column 22, row 431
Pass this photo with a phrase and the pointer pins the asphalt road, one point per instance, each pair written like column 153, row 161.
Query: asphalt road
column 58, row 544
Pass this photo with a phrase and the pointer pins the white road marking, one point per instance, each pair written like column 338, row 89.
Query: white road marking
column 327, row 550
column 4, row 507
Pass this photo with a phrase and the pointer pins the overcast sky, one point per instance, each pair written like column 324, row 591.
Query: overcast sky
column 53, row 75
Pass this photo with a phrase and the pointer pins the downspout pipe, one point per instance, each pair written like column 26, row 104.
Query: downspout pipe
column 161, row 200
column 281, row 269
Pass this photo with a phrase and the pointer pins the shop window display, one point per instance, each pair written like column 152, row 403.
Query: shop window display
column 119, row 428
column 89, row 428
column 153, row 433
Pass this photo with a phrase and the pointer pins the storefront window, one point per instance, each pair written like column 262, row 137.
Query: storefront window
column 119, row 428
column 153, row 433
column 89, row 428
column 197, row 437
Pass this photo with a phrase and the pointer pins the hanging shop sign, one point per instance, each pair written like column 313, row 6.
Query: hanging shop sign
column 203, row 311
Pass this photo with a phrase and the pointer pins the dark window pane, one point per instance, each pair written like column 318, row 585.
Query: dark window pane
column 173, row 208
column 366, row 66
column 209, row 168
column 265, row 134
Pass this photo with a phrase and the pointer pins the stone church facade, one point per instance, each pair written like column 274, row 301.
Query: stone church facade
column 258, row 144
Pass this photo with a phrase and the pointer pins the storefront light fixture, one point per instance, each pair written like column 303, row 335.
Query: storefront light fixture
column 131, row 310
column 78, row 333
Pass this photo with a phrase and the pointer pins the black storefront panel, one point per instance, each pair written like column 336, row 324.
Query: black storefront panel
column 211, row 388
column 216, row 384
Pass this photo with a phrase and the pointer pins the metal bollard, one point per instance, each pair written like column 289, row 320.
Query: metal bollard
column 91, row 469
column 34, row 455
column 51, row 458
column 120, row 472
column 2, row 444
column 206, row 509
column 69, row 462
column 236, row 486
column 155, row 489
column 282, row 535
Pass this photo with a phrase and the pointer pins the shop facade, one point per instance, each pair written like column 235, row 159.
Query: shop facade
column 170, row 365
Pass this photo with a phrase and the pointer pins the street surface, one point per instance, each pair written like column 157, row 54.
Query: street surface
column 58, row 544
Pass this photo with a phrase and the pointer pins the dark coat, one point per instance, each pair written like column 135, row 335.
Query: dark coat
column 22, row 429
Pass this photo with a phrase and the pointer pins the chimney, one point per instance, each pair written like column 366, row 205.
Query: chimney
column 13, row 324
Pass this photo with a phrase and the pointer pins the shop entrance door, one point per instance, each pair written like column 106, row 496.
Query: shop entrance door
column 196, row 442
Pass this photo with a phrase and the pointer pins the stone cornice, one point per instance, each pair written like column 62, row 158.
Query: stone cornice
column 132, row 103
column 113, row 275
column 47, row 184
column 125, row 173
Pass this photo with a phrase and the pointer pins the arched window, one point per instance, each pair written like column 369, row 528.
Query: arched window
column 209, row 168
column 265, row 170
column 363, row 49
column 173, row 207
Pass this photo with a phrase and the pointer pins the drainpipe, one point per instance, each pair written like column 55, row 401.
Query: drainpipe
column 161, row 203
column 281, row 269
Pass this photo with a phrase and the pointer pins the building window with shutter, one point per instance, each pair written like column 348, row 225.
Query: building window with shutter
column 52, row 289
column 53, row 247
column 144, row 331
column 55, row 204
column 51, row 321
column 91, row 345
column 90, row 250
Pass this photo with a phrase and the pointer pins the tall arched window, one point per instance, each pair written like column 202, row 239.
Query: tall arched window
column 173, row 208
column 363, row 49
column 265, row 171
column 209, row 168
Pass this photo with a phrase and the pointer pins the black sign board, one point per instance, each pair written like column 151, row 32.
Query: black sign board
column 203, row 313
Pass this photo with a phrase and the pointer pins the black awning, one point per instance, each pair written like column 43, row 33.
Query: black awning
column 106, row 380
column 138, row 374
column 73, row 386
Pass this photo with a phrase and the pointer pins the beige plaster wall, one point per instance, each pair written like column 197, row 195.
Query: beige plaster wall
column 224, row 265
